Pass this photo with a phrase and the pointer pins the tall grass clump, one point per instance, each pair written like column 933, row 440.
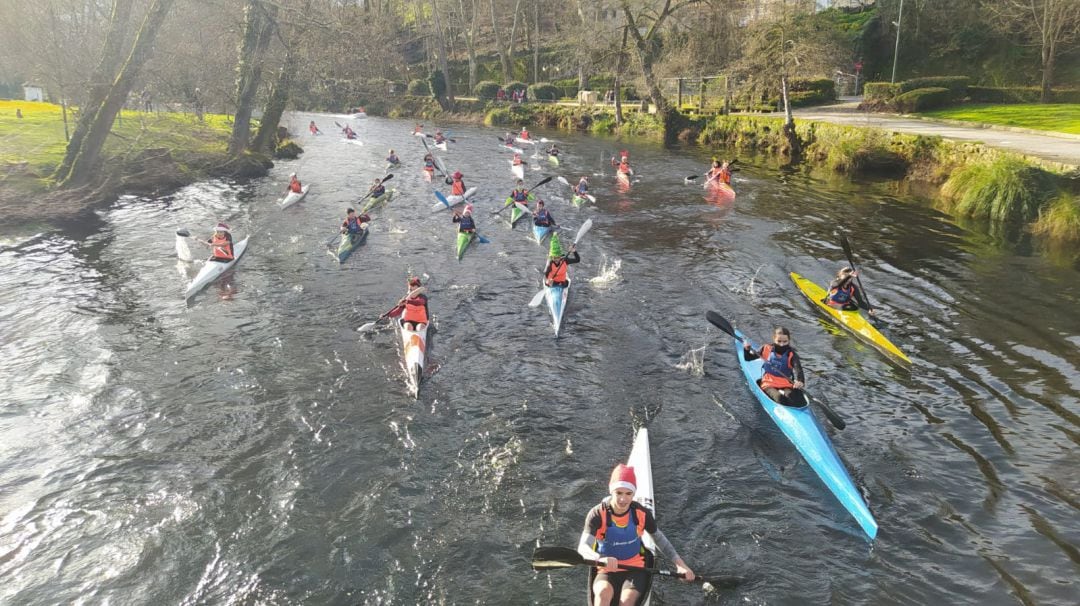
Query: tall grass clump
column 1060, row 219
column 1006, row 189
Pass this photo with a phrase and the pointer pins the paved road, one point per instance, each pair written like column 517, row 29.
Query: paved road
column 1054, row 149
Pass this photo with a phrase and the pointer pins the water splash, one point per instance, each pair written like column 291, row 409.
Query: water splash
column 693, row 361
column 609, row 272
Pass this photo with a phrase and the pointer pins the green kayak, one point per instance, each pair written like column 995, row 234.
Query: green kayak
column 464, row 239
column 373, row 202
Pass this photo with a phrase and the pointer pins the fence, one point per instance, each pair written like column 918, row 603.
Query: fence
column 704, row 93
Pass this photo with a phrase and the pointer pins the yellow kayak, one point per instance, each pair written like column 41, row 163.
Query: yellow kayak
column 851, row 320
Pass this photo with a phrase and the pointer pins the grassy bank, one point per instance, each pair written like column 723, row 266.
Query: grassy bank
column 1059, row 117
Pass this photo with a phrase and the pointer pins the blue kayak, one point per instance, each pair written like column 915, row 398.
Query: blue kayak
column 804, row 431
column 540, row 232
column 556, row 300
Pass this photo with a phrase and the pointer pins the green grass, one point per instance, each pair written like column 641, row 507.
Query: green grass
column 37, row 139
column 1062, row 117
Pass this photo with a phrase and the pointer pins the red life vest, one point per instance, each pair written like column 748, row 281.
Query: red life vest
column 415, row 310
column 294, row 185
column 639, row 527
column 557, row 270
column 624, row 167
column 839, row 297
column 778, row 371
column 221, row 247
column 457, row 188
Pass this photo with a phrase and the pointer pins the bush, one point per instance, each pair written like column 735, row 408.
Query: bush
column 957, row 85
column 880, row 91
column 486, row 89
column 922, row 99
column 515, row 86
column 823, row 86
column 1060, row 219
column 1026, row 94
column 1005, row 190
column 419, row 88
column 542, row 91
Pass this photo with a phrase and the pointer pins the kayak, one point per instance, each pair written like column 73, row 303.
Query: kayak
column 553, row 159
column 540, row 232
column 393, row 165
column 518, row 170
column 719, row 188
column 464, row 239
column 579, row 200
column 623, row 177
column 641, row 460
column 353, row 141
column 428, row 174
column 212, row 270
column 453, row 200
column 516, row 150
column 851, row 320
column 805, row 432
column 443, row 146
column 359, row 115
column 556, row 299
column 413, row 351
column 350, row 242
column 516, row 213
column 293, row 197
column 377, row 200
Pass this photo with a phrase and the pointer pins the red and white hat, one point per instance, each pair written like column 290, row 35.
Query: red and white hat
column 222, row 227
column 623, row 477
column 457, row 174
column 468, row 209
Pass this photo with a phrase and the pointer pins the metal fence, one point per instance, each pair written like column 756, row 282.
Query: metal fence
column 707, row 94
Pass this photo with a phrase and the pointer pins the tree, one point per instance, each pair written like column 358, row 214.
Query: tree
column 258, row 26
column 647, row 44
column 1050, row 25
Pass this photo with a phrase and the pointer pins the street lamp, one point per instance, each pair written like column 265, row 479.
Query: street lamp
column 896, row 51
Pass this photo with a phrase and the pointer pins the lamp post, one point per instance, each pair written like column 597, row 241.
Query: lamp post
column 896, row 51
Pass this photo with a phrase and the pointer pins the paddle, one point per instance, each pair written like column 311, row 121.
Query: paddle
column 589, row 197
column 554, row 558
column 368, row 327
column 446, row 138
column 445, row 202
column 847, row 252
column 584, row 229
column 372, row 190
column 522, row 207
column 718, row 321
column 182, row 251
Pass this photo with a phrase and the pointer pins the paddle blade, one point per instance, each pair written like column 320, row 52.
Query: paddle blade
column 691, row 178
column 537, row 299
column 482, row 239
column 584, row 229
column 370, row 326
column 183, row 251
column 542, row 181
column 442, row 199
column 523, row 208
column 548, row 558
column 387, row 177
column 847, row 249
column 563, row 180
column 718, row 321
column 183, row 233
column 591, row 198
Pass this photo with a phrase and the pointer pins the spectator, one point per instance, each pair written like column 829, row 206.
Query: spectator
column 500, row 95
column 18, row 113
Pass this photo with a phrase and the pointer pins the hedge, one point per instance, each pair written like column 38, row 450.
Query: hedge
column 922, row 99
column 419, row 88
column 822, row 86
column 486, row 89
column 957, row 85
column 1026, row 94
column 880, row 91
column 542, row 91
column 513, row 86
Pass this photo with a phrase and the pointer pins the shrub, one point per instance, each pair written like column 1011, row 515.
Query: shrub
column 823, row 86
column 486, row 89
column 1060, row 219
column 957, row 85
column 515, row 86
column 922, row 99
column 1005, row 190
column 880, row 91
column 543, row 91
column 419, row 88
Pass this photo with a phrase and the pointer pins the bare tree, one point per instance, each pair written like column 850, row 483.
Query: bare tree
column 259, row 24
column 647, row 43
column 1051, row 25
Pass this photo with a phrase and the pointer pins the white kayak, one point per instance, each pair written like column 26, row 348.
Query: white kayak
column 517, row 169
column 443, row 146
column 641, row 460
column 353, row 141
column 358, row 115
column 293, row 197
column 413, row 352
column 452, row 201
column 212, row 270
column 556, row 300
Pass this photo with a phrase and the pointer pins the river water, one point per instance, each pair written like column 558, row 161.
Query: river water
column 251, row 447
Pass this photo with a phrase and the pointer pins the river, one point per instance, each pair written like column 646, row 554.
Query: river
column 249, row 446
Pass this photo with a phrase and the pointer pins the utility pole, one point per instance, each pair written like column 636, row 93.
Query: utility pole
column 896, row 51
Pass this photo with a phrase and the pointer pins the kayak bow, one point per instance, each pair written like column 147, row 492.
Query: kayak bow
column 350, row 242
column 464, row 239
column 294, row 197
column 556, row 300
column 212, row 270
column 413, row 352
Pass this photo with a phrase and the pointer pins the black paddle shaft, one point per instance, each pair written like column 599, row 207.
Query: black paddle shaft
column 851, row 261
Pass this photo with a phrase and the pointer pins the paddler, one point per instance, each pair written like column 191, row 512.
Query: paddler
column 393, row 158
column 353, row 222
column 314, row 129
column 719, row 171
column 294, row 185
column 524, row 134
column 418, row 129
column 508, row 140
column 221, row 244
column 845, row 294
column 582, row 186
column 429, row 163
column 542, row 217
column 782, row 376
column 555, row 272
column 377, row 188
column 518, row 161
column 457, row 186
column 465, row 220
column 623, row 164
column 612, row 535
column 519, row 194
column 414, row 306
column 349, row 132
column 553, row 150
column 439, row 138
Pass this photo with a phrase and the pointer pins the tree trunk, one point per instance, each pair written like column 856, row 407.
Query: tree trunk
column 266, row 137
column 470, row 40
column 258, row 26
column 112, row 53
column 504, row 60
column 618, row 79
column 646, row 49
column 536, row 41
column 88, row 157
column 789, row 123
column 443, row 66
column 1048, row 52
column 513, row 35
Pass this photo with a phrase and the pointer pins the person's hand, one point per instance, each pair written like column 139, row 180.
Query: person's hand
column 684, row 570
column 871, row 312
column 547, row 282
column 746, row 345
column 798, row 384
column 610, row 564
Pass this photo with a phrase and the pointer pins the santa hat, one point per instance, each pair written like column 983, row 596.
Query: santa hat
column 623, row 477
column 414, row 281
column 222, row 227
column 624, row 153
column 468, row 209
column 457, row 174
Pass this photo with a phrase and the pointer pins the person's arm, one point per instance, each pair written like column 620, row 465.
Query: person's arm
column 749, row 354
column 796, row 368
column 573, row 257
column 588, row 534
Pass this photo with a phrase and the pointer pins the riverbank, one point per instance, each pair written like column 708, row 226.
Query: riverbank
column 967, row 178
column 147, row 154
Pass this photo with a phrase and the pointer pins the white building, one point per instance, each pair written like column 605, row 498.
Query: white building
column 33, row 92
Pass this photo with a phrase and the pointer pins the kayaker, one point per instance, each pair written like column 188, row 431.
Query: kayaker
column 314, row 129
column 524, row 134
column 439, row 138
column 623, row 164
column 377, row 188
column 519, row 193
column 393, row 159
column 719, row 171
column 294, row 185
column 553, row 150
column 782, row 376
column 612, row 535
column 349, row 132
column 353, row 221
column 508, row 140
column 465, row 220
column 542, row 217
column 429, row 163
column 221, row 244
column 844, row 292
column 415, row 310
column 582, row 186
column 457, row 186
column 555, row 272
column 418, row 129
column 518, row 161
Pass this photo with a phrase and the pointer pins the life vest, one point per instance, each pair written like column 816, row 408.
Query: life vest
column 520, row 195
column 429, row 165
column 517, row 161
column 378, row 191
column 624, row 167
column 542, row 218
column 439, row 138
column 392, row 159
column 581, row 188
column 466, row 223
column 557, row 270
column 524, row 134
column 839, row 297
column 352, row 224
column 415, row 310
column 295, row 187
column 457, row 188
column 622, row 542
column 221, row 247
column 779, row 370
